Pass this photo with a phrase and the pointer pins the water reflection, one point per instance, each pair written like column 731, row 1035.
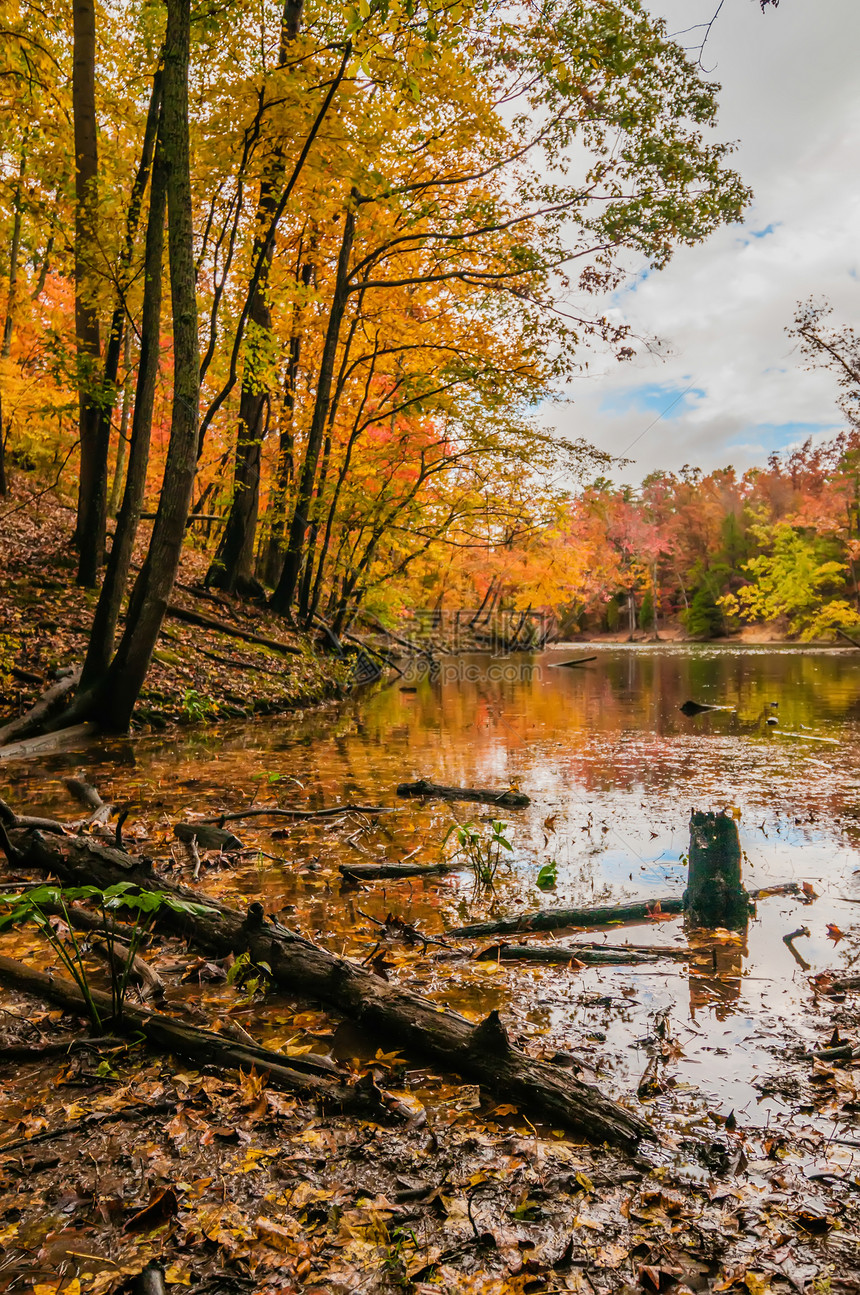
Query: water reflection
column 613, row 768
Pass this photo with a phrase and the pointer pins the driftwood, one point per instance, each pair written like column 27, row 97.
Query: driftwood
column 48, row 705
column 207, row 837
column 556, row 919
column 506, row 799
column 391, row 871
column 700, row 708
column 582, row 955
column 64, row 739
column 11, row 819
column 232, row 631
column 275, row 811
column 85, row 794
column 633, row 913
column 569, row 665
column 404, row 1020
column 190, row 1041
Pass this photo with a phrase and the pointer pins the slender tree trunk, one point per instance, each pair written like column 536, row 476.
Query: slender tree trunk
column 14, row 256
column 284, row 594
column 92, row 540
column 154, row 584
column 88, row 343
column 103, row 632
column 232, row 567
column 272, row 560
column 125, row 416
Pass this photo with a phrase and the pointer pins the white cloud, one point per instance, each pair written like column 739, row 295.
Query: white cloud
column 791, row 98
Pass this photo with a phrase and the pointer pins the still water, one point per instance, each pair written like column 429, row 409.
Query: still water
column 613, row 768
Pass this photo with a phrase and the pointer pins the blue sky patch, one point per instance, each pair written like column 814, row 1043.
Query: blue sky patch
column 652, row 398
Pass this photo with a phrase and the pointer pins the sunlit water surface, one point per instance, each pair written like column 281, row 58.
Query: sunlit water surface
column 613, row 769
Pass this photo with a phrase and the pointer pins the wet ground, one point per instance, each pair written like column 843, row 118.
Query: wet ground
column 613, row 769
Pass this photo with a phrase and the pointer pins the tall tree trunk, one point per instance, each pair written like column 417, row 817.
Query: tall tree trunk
column 14, row 255
column 282, row 599
column 231, row 569
column 8, row 323
column 154, row 584
column 87, row 338
column 92, row 540
column 272, row 559
column 103, row 631
column 125, row 417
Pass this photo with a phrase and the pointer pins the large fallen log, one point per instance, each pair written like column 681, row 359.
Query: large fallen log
column 506, row 799
column 403, row 1020
column 189, row 1041
column 557, row 919
column 557, row 955
column 65, row 739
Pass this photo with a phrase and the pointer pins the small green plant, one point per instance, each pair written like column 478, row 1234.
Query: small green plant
column 195, row 706
column 42, row 902
column 482, row 850
column 548, row 876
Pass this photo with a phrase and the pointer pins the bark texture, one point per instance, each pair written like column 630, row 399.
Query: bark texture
column 149, row 598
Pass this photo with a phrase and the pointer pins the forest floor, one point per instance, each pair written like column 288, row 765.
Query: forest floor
column 198, row 673
column 113, row 1157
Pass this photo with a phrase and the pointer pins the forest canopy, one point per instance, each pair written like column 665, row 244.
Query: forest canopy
column 310, row 271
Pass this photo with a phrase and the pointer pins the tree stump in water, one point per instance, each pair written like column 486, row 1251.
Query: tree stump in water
column 715, row 895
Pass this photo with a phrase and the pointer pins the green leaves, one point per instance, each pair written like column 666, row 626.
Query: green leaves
column 547, row 876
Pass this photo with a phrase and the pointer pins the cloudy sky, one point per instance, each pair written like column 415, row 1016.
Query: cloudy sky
column 730, row 385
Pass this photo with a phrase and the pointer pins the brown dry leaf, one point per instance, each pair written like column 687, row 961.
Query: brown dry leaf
column 155, row 1214
column 280, row 1236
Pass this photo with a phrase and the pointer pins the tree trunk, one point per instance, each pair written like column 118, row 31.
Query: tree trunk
column 401, row 1019
column 103, row 633
column 282, row 599
column 151, row 592
column 122, row 440
column 87, row 336
column 14, row 254
column 715, row 895
column 92, row 539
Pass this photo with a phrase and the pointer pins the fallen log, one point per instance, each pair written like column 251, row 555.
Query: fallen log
column 207, row 837
column 11, row 819
column 47, row 706
column 629, row 914
column 276, row 811
column 556, row 919
column 569, row 665
column 404, row 1020
column 203, row 1046
column 507, row 799
column 557, row 955
column 232, row 631
column 392, row 871
column 700, row 708
column 64, row 739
